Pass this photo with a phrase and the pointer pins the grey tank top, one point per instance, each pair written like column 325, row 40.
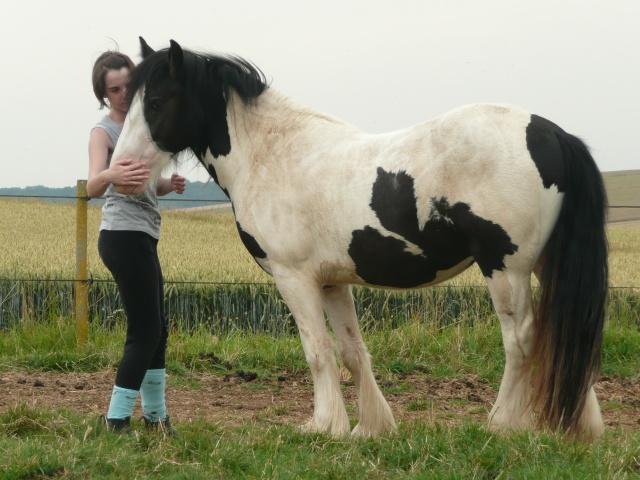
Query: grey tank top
column 139, row 213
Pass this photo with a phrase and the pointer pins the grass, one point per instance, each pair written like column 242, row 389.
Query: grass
column 415, row 346
column 38, row 239
column 41, row 443
column 60, row 444
column 35, row 441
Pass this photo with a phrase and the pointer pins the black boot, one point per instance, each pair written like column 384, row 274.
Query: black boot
column 118, row 425
column 163, row 426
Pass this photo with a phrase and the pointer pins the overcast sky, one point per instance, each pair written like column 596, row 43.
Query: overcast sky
column 379, row 65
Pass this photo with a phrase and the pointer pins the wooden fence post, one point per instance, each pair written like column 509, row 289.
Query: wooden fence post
column 82, row 282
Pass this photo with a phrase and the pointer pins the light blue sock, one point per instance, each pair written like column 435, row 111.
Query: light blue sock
column 122, row 402
column 152, row 393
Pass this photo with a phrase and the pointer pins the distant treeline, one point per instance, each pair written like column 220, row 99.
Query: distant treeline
column 197, row 194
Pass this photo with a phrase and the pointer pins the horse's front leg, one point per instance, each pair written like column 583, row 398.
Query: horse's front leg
column 375, row 414
column 304, row 298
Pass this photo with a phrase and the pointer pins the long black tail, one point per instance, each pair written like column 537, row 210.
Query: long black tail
column 574, row 281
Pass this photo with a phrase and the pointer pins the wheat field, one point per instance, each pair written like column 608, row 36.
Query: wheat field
column 37, row 240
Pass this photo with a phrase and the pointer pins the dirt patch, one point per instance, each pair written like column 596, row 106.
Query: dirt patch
column 288, row 399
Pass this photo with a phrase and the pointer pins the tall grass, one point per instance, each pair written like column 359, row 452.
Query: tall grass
column 225, row 308
column 440, row 349
column 38, row 239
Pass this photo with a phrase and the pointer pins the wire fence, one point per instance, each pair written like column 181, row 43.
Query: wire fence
column 257, row 307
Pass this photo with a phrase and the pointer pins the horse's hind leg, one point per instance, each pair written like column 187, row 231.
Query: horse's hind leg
column 511, row 295
column 375, row 414
column 305, row 302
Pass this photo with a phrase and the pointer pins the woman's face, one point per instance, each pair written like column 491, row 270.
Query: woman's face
column 116, row 82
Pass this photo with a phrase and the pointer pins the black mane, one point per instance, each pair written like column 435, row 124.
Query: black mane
column 228, row 71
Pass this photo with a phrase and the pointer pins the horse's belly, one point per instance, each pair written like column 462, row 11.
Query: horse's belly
column 387, row 261
column 410, row 274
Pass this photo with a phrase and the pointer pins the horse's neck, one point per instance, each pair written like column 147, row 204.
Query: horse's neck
column 266, row 131
column 276, row 113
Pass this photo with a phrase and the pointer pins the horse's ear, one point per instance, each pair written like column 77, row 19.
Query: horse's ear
column 145, row 48
column 175, row 60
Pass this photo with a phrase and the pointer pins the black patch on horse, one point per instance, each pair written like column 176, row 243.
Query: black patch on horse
column 488, row 242
column 451, row 235
column 547, row 151
column 214, row 175
column 250, row 243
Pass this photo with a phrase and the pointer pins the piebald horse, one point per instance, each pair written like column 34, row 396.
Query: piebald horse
column 322, row 205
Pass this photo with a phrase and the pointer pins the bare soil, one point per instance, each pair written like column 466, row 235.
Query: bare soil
column 288, row 399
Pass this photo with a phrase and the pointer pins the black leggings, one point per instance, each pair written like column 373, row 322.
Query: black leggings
column 132, row 258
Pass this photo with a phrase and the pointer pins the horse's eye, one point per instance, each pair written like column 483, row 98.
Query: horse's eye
column 156, row 104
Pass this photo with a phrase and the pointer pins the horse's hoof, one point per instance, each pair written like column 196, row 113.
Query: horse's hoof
column 359, row 432
column 312, row 427
column 309, row 427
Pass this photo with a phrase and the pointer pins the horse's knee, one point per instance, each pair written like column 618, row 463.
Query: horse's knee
column 355, row 356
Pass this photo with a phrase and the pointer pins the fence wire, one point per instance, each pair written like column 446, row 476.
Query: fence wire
column 257, row 307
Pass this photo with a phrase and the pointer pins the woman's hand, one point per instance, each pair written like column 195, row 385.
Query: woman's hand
column 127, row 177
column 178, row 183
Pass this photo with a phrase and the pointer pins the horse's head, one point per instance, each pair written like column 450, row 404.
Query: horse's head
column 179, row 102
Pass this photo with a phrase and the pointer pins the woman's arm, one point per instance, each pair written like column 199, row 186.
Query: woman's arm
column 122, row 173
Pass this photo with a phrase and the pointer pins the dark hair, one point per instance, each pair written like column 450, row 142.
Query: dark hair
column 107, row 61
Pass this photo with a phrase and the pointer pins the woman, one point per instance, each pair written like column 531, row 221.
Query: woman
column 127, row 244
